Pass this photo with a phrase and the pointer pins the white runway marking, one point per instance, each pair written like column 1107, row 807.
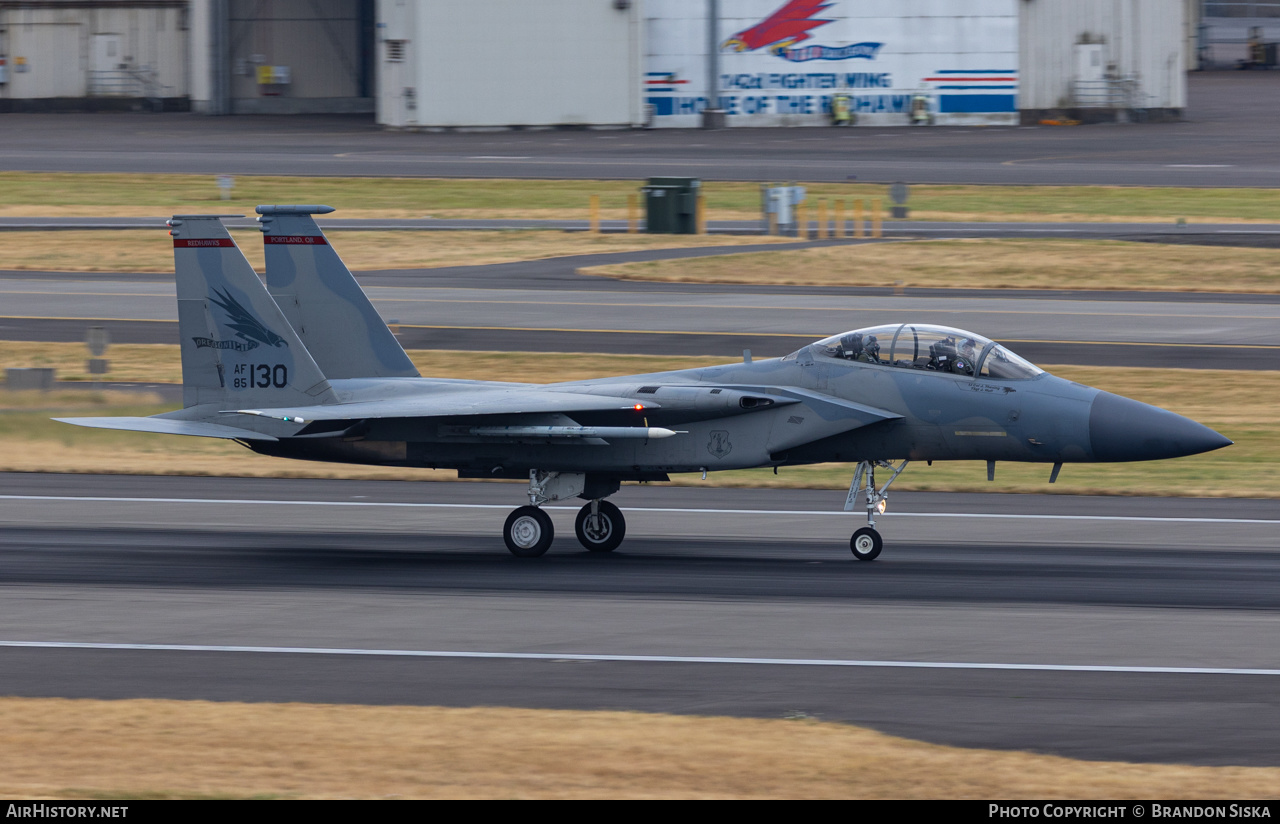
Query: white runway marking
column 808, row 512
column 643, row 659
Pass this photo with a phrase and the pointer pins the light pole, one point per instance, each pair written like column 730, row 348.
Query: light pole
column 713, row 115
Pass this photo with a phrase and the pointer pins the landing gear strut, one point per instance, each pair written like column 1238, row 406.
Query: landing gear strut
column 600, row 526
column 866, row 543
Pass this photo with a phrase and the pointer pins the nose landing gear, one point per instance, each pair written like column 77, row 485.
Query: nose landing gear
column 866, row 543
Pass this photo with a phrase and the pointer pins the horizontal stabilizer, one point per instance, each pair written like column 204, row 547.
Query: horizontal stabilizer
column 170, row 427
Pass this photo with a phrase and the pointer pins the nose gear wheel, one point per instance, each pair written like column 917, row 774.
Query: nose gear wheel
column 866, row 544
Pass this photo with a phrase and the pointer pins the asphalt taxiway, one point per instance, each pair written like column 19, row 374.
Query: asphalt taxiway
column 547, row 306
column 1226, row 140
column 1132, row 629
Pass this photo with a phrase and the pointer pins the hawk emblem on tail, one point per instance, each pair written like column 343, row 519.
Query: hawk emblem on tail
column 246, row 326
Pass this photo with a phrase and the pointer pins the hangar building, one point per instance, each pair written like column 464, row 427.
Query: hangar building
column 60, row 55
column 428, row 64
column 214, row 56
column 778, row 62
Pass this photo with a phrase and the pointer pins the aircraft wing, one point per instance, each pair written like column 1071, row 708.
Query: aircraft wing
column 169, row 426
column 454, row 404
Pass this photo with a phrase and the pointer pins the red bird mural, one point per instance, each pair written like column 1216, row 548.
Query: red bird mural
column 785, row 27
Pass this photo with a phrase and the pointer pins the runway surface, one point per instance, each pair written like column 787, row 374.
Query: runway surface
column 1134, row 629
column 546, row 306
column 1226, row 141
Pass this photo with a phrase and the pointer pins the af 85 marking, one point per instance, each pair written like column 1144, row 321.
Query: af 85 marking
column 260, row 376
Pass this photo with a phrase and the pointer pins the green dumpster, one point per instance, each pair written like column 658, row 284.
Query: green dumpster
column 671, row 205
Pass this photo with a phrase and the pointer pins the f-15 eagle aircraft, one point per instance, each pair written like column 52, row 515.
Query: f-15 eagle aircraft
column 305, row 368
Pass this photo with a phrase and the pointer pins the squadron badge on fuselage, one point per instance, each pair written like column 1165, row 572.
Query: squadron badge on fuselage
column 719, row 445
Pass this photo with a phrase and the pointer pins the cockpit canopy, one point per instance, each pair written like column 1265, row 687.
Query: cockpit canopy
column 928, row 348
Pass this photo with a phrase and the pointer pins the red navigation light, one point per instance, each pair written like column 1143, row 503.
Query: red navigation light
column 638, row 407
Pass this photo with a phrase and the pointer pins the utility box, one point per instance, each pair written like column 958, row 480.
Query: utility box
column 781, row 203
column 671, row 205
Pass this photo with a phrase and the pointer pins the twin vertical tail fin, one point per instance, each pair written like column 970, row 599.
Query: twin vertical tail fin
column 238, row 349
column 320, row 298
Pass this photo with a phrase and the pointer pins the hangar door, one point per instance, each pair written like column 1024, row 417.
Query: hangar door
column 51, row 60
column 292, row 56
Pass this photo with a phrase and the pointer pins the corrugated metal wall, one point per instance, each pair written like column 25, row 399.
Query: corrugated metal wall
column 51, row 51
column 509, row 63
column 1144, row 40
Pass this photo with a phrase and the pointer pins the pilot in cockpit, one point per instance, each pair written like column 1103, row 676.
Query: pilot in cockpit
column 855, row 347
column 966, row 357
column 870, row 350
column 850, row 346
column 942, row 355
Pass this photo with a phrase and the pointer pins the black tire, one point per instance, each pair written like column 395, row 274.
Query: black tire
column 866, row 544
column 604, row 536
column 528, row 532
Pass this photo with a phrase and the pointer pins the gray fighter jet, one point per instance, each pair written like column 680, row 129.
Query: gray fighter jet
column 305, row 368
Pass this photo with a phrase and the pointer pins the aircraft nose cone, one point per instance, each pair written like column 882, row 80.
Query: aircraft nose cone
column 1121, row 429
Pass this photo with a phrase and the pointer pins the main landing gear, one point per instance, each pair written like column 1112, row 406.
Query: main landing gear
column 866, row 543
column 528, row 532
column 600, row 526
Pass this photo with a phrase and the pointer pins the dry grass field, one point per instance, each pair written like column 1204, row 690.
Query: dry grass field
column 957, row 264
column 147, row 749
column 105, row 195
column 982, row 264
column 143, row 250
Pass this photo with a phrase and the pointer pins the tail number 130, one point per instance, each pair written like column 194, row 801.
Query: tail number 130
column 260, row 376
